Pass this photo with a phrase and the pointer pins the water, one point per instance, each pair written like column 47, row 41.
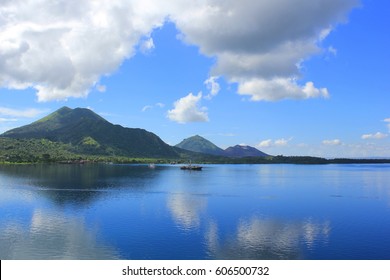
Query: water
column 223, row 212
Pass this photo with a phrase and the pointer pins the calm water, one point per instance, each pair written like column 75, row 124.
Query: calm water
column 222, row 212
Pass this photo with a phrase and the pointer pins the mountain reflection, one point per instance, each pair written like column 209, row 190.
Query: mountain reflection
column 80, row 184
column 266, row 239
column 51, row 236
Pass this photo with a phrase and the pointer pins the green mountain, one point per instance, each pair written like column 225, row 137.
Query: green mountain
column 89, row 133
column 240, row 151
column 200, row 145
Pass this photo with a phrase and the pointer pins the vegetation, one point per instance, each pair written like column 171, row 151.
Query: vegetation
column 244, row 151
column 79, row 136
column 200, row 145
column 46, row 151
column 90, row 134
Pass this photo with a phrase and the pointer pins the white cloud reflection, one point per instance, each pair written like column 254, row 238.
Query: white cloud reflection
column 186, row 209
column 51, row 236
column 267, row 239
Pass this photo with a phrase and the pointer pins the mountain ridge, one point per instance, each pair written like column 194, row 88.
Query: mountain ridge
column 202, row 145
column 244, row 151
column 80, row 135
column 84, row 132
column 92, row 134
column 199, row 144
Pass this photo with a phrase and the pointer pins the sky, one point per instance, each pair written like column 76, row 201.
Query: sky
column 302, row 77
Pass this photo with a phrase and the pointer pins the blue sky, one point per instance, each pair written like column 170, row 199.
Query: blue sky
column 297, row 77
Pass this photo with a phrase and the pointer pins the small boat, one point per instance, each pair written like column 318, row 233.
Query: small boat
column 191, row 167
column 152, row 166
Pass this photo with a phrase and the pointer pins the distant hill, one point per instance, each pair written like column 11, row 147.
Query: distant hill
column 200, row 145
column 240, row 151
column 89, row 133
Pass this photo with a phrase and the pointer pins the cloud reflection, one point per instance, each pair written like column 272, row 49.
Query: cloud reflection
column 51, row 236
column 186, row 209
column 266, row 239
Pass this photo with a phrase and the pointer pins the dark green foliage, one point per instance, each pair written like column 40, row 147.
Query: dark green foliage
column 200, row 145
column 79, row 136
column 88, row 133
column 33, row 150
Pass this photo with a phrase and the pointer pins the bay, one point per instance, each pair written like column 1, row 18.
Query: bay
column 102, row 211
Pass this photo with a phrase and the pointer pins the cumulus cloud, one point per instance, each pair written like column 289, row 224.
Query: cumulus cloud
column 334, row 142
column 378, row 135
column 213, row 86
column 187, row 110
column 63, row 48
column 261, row 44
column 279, row 88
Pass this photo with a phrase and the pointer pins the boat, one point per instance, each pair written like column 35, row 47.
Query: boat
column 152, row 166
column 191, row 167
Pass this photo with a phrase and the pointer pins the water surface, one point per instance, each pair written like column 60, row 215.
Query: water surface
column 223, row 212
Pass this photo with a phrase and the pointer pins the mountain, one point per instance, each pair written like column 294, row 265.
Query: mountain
column 200, row 145
column 89, row 133
column 244, row 151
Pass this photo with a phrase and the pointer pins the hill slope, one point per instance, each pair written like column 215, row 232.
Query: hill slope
column 89, row 133
column 200, row 145
column 244, row 151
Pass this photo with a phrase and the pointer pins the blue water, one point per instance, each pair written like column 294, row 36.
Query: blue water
column 223, row 212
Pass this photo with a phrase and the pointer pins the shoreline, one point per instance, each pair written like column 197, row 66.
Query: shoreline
column 300, row 160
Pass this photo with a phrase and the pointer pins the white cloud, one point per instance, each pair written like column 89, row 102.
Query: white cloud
column 63, row 48
column 2, row 120
column 213, row 86
column 148, row 107
column 278, row 89
column 265, row 144
column 101, row 88
column 27, row 113
column 378, row 135
column 147, row 45
column 271, row 143
column 282, row 142
column 257, row 51
column 334, row 142
column 187, row 110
